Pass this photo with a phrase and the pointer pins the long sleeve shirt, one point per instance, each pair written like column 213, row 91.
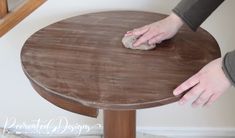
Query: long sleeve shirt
column 194, row 13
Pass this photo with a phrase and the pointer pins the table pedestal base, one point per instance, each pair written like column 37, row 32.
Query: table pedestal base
column 119, row 124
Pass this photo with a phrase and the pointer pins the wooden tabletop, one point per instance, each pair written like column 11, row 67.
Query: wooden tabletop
column 82, row 59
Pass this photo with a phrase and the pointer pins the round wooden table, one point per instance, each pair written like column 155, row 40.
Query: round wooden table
column 80, row 65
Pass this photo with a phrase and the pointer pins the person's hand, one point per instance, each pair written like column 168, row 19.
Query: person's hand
column 157, row 31
column 209, row 83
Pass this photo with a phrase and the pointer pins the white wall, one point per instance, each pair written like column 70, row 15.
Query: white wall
column 19, row 100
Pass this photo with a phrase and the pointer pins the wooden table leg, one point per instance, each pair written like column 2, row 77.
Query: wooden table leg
column 119, row 124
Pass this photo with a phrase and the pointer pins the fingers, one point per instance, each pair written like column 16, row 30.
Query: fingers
column 139, row 31
column 156, row 40
column 187, row 84
column 212, row 99
column 196, row 90
column 145, row 38
column 202, row 99
column 128, row 33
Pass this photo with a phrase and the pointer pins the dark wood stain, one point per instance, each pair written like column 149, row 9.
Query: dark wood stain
column 67, row 104
column 83, row 60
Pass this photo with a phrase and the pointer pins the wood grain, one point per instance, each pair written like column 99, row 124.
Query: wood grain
column 67, row 104
column 3, row 8
column 82, row 59
column 119, row 124
column 18, row 14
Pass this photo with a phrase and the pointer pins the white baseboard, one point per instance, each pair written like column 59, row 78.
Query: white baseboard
column 189, row 132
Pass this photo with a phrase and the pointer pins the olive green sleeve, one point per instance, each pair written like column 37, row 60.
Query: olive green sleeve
column 229, row 66
column 194, row 12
